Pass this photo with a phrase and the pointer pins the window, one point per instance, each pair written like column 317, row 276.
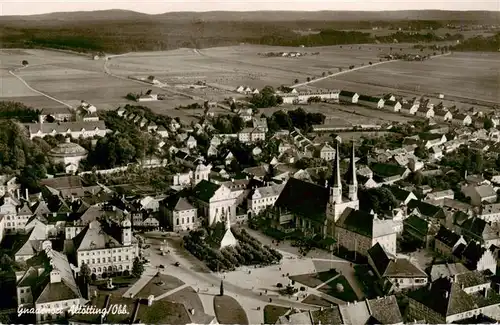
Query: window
column 109, row 259
column 22, row 290
column 114, row 258
column 177, row 221
column 119, row 258
column 22, row 300
column 182, row 220
column 192, row 219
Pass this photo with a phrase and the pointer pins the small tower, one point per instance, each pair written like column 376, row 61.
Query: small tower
column 351, row 178
column 335, row 182
column 126, row 232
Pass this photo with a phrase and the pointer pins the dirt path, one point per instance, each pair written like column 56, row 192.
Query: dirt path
column 37, row 91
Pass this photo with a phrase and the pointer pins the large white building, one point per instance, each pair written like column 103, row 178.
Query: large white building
column 73, row 129
column 262, row 197
column 178, row 214
column 106, row 247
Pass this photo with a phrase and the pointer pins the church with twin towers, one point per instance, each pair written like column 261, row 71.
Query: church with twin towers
column 333, row 211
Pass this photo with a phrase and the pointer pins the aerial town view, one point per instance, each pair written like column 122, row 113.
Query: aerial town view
column 241, row 162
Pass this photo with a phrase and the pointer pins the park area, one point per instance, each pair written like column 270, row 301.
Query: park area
column 229, row 311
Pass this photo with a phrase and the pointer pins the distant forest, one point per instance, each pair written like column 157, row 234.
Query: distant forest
column 152, row 34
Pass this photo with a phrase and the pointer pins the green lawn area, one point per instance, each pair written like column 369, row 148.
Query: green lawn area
column 189, row 297
column 158, row 285
column 272, row 313
column 347, row 294
column 229, row 311
column 119, row 282
column 314, row 279
column 317, row 301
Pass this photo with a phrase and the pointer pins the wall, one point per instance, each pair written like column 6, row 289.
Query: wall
column 101, row 260
column 184, row 220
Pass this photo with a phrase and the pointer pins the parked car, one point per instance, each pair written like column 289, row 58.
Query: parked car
column 162, row 266
column 177, row 264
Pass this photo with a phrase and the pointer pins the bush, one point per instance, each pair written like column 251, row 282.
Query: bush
column 279, row 285
column 302, row 288
column 93, row 277
column 104, row 275
column 126, row 273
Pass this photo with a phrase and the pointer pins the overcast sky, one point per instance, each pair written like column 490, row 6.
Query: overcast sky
column 20, row 7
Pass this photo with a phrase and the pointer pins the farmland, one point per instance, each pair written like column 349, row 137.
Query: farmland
column 469, row 77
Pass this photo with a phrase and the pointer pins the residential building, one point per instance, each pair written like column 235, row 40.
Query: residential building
column 478, row 257
column 214, row 201
column 445, row 301
column 425, row 112
column 8, row 184
column 48, row 288
column 402, row 196
column 479, row 194
column 372, row 102
column 162, row 131
column 447, row 241
column 326, row 152
column 440, row 195
column 348, row 97
column 381, row 310
column 106, row 247
column 262, row 197
column 418, row 230
column 191, row 142
column 446, row 270
column 392, row 105
column 490, row 212
column 461, row 119
column 178, row 214
column 442, row 115
column 56, row 114
column 401, row 273
column 478, row 230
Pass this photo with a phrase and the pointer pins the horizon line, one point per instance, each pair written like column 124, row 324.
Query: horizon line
column 247, row 11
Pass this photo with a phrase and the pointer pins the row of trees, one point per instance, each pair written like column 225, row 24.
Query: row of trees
column 248, row 251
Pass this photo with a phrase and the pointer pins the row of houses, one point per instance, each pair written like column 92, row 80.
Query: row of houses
column 418, row 107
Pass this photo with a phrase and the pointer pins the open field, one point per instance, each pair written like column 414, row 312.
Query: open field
column 465, row 76
column 235, row 65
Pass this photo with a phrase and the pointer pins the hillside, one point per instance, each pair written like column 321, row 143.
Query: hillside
column 264, row 16
column 119, row 31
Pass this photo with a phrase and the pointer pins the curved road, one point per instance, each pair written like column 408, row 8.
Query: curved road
column 212, row 279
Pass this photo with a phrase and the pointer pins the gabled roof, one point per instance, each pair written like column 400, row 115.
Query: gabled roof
column 94, row 237
column 204, row 190
column 400, row 194
column 447, row 237
column 346, row 93
column 303, row 198
column 385, row 310
column 417, row 223
column 357, row 221
column 365, row 98
column 177, row 203
column 426, row 209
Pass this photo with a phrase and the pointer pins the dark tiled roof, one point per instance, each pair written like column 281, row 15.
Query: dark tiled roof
column 447, row 237
column 304, row 199
column 399, row 193
column 473, row 252
column 56, row 292
column 204, row 190
column 365, row 98
column 426, row 209
column 418, row 224
column 177, row 203
column 357, row 221
column 346, row 93
column 385, row 310
column 403, row 268
column 379, row 258
column 387, row 170
column 329, row 316
column 471, row 279
column 475, row 226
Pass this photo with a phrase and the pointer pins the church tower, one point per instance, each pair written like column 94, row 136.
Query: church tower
column 351, row 178
column 335, row 183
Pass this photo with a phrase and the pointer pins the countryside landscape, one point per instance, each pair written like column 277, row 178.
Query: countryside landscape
column 250, row 167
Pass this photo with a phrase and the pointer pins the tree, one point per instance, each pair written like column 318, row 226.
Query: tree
column 85, row 273
column 221, row 287
column 137, row 268
column 488, row 124
column 233, row 106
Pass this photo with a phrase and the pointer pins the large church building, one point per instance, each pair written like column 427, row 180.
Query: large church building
column 333, row 213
